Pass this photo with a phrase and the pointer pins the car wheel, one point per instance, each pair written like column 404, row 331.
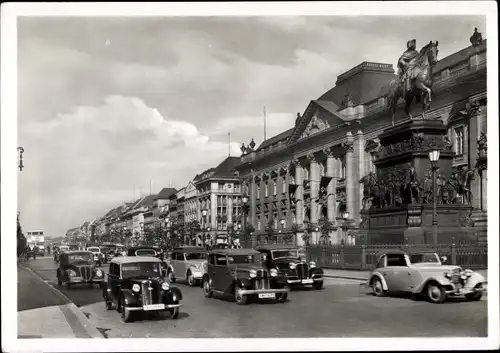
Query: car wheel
column 190, row 279
column 435, row 293
column 126, row 314
column 281, row 297
column 241, row 299
column 174, row 312
column 377, row 288
column 108, row 304
column 170, row 276
column 207, row 290
column 318, row 285
column 476, row 296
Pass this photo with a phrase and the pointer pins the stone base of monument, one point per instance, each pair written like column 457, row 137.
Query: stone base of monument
column 412, row 224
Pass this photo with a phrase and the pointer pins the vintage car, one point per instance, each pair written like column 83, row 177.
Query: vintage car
column 78, row 267
column 98, row 256
column 424, row 273
column 189, row 263
column 135, row 283
column 287, row 260
column 240, row 272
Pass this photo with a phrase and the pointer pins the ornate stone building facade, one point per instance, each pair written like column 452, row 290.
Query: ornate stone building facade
column 312, row 171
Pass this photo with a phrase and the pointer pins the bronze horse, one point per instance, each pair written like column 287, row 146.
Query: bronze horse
column 420, row 71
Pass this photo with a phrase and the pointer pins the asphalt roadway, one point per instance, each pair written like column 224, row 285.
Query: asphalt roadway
column 344, row 308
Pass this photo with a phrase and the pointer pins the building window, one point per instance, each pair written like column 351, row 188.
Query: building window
column 266, row 190
column 275, row 187
column 459, row 140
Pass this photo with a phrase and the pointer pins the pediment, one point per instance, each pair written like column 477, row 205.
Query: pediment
column 317, row 118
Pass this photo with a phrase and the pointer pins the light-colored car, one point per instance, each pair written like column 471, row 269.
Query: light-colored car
column 96, row 252
column 189, row 263
column 424, row 273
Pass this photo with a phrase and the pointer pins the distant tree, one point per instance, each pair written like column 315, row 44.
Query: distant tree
column 21, row 239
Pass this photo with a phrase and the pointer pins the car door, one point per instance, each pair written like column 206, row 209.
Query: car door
column 219, row 272
column 175, row 263
column 113, row 280
column 396, row 272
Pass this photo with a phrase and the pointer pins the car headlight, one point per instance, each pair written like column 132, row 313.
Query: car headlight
column 312, row 264
column 253, row 273
column 292, row 266
column 136, row 288
column 98, row 273
column 273, row 272
column 71, row 273
column 448, row 274
column 196, row 266
column 468, row 272
column 165, row 286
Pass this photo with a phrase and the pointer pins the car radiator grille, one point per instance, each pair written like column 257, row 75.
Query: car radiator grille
column 302, row 271
column 150, row 293
column 262, row 281
column 86, row 272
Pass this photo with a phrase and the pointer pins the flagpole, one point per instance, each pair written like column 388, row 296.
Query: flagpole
column 265, row 124
column 229, row 144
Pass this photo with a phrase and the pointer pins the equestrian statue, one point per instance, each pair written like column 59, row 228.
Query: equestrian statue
column 415, row 78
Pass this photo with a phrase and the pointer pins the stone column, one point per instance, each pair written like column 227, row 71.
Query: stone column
column 230, row 209
column 350, row 187
column 253, row 202
column 213, row 209
column 331, row 191
column 314, row 184
column 299, row 204
column 359, row 162
column 484, row 196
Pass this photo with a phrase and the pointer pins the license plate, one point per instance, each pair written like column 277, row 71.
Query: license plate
column 76, row 279
column 154, row 307
column 267, row 295
column 307, row 281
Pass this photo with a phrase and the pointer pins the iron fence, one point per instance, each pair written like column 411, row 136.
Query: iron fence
column 365, row 257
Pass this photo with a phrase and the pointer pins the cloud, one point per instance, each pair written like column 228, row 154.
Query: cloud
column 100, row 152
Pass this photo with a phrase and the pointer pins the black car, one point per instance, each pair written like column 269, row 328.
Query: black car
column 286, row 259
column 78, row 267
column 135, row 283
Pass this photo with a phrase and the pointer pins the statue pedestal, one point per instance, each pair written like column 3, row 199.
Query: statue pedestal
column 402, row 191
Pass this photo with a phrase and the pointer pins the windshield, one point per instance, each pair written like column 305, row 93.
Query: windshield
column 145, row 252
column 83, row 257
column 196, row 256
column 243, row 259
column 278, row 254
column 93, row 249
column 141, row 269
column 417, row 258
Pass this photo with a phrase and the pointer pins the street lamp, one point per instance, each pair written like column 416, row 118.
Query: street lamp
column 207, row 234
column 244, row 207
column 282, row 222
column 434, row 158
column 345, row 217
column 167, row 220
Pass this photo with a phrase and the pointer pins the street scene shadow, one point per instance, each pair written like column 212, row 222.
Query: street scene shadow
column 159, row 316
column 420, row 297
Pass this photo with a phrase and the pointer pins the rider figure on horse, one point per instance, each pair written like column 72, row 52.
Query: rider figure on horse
column 404, row 63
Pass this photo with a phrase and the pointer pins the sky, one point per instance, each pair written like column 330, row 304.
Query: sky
column 106, row 105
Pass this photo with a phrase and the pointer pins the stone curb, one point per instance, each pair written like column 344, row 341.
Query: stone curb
column 70, row 309
column 364, row 279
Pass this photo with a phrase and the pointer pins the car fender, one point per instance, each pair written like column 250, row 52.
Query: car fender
column 105, row 294
column 170, row 268
column 316, row 271
column 129, row 297
column 439, row 279
column 381, row 278
column 177, row 292
column 475, row 279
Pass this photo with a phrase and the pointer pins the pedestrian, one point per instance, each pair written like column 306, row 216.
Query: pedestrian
column 35, row 251
column 48, row 250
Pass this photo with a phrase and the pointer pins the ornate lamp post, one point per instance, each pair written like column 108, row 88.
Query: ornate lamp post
column 245, row 206
column 206, row 235
column 434, row 158
column 167, row 220
column 282, row 222
column 204, row 213
column 345, row 217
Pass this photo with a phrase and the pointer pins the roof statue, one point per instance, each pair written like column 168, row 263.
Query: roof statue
column 347, row 102
column 476, row 38
column 297, row 119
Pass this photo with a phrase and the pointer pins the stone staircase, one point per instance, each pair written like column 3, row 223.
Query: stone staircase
column 480, row 219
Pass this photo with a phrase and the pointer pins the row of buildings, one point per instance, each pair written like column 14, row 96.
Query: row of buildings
column 310, row 173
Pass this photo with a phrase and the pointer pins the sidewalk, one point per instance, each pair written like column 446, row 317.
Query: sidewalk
column 363, row 275
column 44, row 312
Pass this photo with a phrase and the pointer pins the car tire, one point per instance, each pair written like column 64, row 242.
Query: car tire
column 435, row 293
column 207, row 289
column 476, row 296
column 240, row 299
column 170, row 276
column 318, row 285
column 282, row 297
column 174, row 312
column 191, row 281
column 108, row 304
column 125, row 314
column 377, row 288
